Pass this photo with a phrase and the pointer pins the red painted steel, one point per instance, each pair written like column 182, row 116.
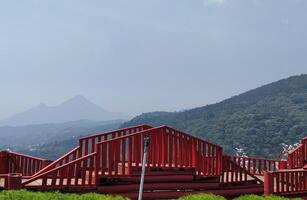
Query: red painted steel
column 125, row 188
column 4, row 180
column 174, row 159
column 268, row 183
column 87, row 145
column 285, row 182
column 240, row 169
column 111, row 160
column 14, row 181
column 26, row 165
column 70, row 156
column 79, row 172
column 297, row 157
column 255, row 166
column 4, row 162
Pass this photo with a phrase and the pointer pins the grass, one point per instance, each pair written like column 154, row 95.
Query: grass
column 245, row 197
column 255, row 197
column 27, row 195
column 202, row 197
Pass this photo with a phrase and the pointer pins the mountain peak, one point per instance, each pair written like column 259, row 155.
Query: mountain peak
column 79, row 99
column 75, row 108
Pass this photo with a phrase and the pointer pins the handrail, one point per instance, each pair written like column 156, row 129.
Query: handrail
column 298, row 156
column 83, row 148
column 113, row 131
column 253, row 157
column 26, row 156
column 235, row 172
column 295, row 149
column 254, row 165
column 285, row 182
column 88, row 143
column 168, row 148
column 63, row 159
column 72, row 173
column 158, row 127
column 25, row 164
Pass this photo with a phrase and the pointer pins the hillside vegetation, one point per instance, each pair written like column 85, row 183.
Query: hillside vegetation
column 258, row 120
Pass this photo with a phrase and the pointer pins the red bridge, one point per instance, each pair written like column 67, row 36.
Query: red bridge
column 177, row 164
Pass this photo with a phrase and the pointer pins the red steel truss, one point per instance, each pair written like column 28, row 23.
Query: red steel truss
column 177, row 164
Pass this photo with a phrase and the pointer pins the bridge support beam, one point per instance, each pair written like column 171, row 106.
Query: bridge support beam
column 4, row 162
column 14, row 181
column 268, row 183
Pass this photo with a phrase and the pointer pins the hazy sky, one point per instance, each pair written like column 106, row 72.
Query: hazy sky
column 135, row 56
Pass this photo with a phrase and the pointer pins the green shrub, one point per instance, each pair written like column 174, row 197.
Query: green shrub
column 202, row 197
column 27, row 195
column 244, row 197
column 255, row 197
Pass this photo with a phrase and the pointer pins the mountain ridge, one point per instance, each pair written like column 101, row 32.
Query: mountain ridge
column 73, row 109
column 258, row 120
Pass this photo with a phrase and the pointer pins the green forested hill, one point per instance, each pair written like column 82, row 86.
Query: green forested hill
column 258, row 120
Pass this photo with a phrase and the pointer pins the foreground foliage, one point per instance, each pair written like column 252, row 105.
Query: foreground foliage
column 255, row 197
column 202, row 197
column 245, row 197
column 27, row 195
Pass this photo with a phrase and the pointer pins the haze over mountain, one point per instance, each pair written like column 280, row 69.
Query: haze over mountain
column 51, row 140
column 258, row 120
column 46, row 133
column 76, row 108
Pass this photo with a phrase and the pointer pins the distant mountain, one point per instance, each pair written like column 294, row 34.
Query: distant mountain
column 76, row 108
column 258, row 120
column 50, row 141
column 33, row 136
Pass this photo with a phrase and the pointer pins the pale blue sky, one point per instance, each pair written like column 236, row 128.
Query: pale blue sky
column 135, row 56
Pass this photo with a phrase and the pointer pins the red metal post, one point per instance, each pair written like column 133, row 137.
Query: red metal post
column 14, row 181
column 268, row 183
column 282, row 164
column 4, row 162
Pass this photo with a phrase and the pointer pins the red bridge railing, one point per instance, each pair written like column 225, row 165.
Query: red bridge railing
column 298, row 156
column 26, row 165
column 70, row 156
column 169, row 148
column 87, row 145
column 237, row 169
column 117, row 153
column 79, row 172
column 285, row 182
column 255, row 166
